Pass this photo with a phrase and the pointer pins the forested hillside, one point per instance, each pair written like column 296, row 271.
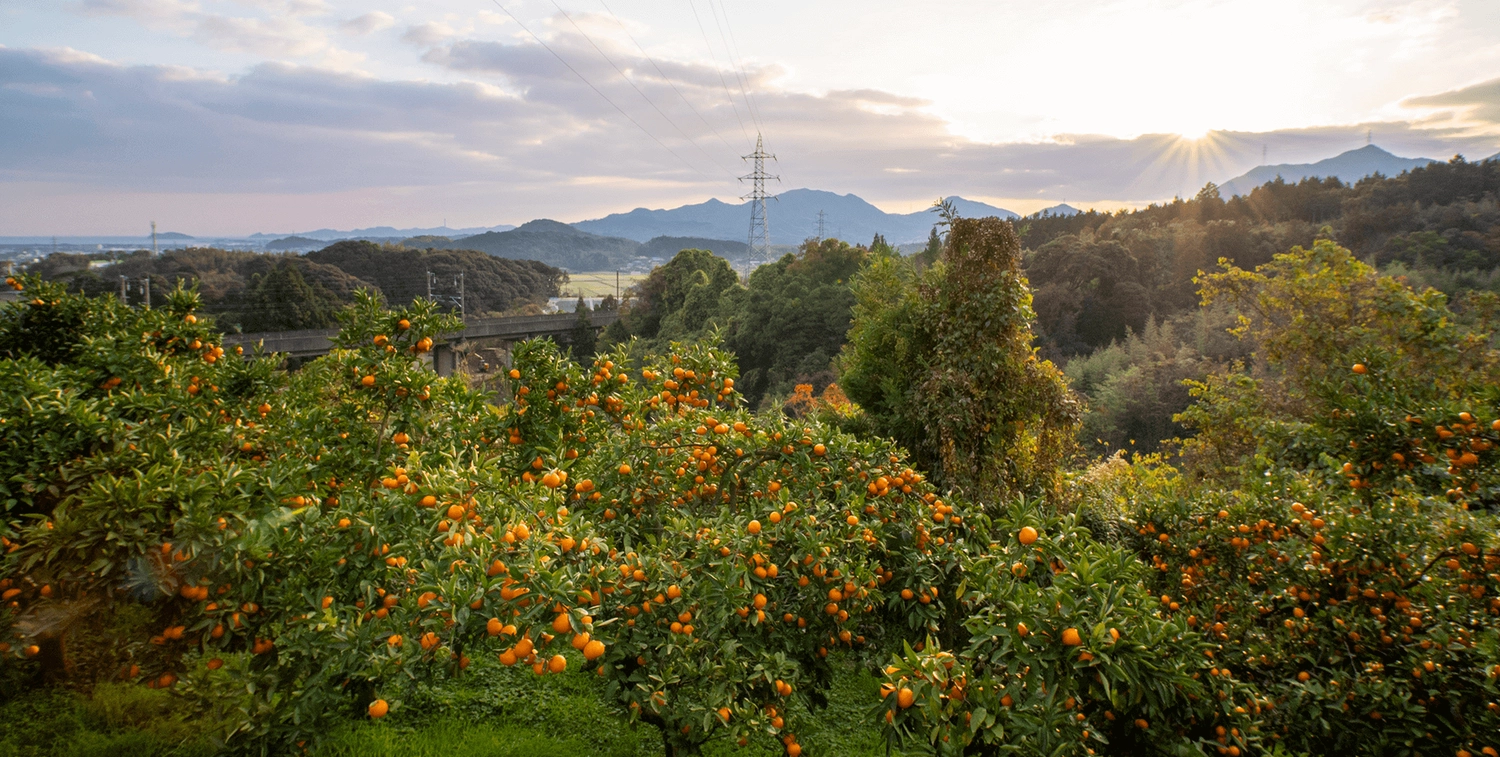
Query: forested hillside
column 1116, row 295
column 250, row 291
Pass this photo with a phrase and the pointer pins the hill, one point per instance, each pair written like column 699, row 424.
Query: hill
column 252, row 291
column 1348, row 167
column 553, row 243
column 294, row 243
column 383, row 232
column 666, row 247
column 793, row 218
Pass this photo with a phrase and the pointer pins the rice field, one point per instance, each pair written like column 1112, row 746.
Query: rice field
column 598, row 283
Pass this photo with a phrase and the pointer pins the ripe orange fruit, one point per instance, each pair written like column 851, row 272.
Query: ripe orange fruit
column 624, row 469
column 1027, row 536
column 1022, row 630
column 1360, row 368
column 593, row 650
column 215, row 664
column 379, row 708
column 493, row 627
column 754, row 527
column 368, row 381
column 557, row 664
column 1070, row 637
column 905, row 698
column 562, row 623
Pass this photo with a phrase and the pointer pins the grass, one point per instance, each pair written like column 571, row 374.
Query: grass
column 117, row 719
column 598, row 283
column 493, row 711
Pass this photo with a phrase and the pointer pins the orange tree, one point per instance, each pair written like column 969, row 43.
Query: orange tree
column 1343, row 554
column 1056, row 647
column 319, row 539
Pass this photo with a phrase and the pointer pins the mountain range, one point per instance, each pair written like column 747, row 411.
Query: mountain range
column 793, row 217
column 1348, row 167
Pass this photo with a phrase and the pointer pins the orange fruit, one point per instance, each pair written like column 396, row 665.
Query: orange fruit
column 379, row 708
column 368, row 381
column 1027, row 535
column 593, row 650
column 562, row 623
column 905, row 698
column 754, row 527
column 557, row 664
column 624, row 469
column 1070, row 637
column 1021, row 629
column 1360, row 368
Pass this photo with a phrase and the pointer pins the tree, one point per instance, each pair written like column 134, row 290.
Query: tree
column 942, row 362
column 581, row 338
column 282, row 300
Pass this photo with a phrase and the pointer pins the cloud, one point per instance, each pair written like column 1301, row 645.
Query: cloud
column 1476, row 107
column 278, row 32
column 369, row 23
column 429, row 33
column 507, row 133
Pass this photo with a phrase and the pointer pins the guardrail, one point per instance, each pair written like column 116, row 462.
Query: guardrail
column 313, row 342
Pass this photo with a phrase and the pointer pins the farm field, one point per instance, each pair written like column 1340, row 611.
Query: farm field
column 599, row 283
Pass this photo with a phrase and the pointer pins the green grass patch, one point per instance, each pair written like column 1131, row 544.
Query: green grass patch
column 117, row 719
column 491, row 711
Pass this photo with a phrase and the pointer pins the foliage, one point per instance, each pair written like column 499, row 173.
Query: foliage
column 252, row 291
column 1135, row 386
column 785, row 326
column 1351, row 366
column 942, row 362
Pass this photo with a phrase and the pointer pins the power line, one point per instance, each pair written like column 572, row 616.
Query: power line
column 597, row 91
column 738, row 67
column 638, row 91
column 664, row 76
column 718, row 70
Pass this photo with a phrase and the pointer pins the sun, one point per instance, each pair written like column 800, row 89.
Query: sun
column 1194, row 134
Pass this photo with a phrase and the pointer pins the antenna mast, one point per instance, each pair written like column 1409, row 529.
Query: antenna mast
column 760, row 228
column 154, row 251
column 820, row 226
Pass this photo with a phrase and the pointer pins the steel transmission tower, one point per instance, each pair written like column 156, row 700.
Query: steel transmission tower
column 760, row 227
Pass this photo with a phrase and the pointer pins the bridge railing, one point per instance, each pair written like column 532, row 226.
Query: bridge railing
column 311, row 342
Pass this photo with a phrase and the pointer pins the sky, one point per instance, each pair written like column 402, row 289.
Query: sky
column 228, row 117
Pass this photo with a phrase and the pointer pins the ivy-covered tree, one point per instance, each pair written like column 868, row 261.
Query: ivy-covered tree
column 942, row 361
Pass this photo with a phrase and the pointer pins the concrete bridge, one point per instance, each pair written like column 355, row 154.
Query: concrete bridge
column 481, row 341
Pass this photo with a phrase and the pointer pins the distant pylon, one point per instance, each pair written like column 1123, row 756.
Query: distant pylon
column 760, row 226
column 820, row 226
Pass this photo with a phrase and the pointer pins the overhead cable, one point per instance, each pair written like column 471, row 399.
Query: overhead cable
column 664, row 76
column 638, row 90
column 597, row 91
column 719, row 70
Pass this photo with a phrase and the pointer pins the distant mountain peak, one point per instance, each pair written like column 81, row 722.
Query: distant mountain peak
column 547, row 225
column 1349, row 167
column 1060, row 209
